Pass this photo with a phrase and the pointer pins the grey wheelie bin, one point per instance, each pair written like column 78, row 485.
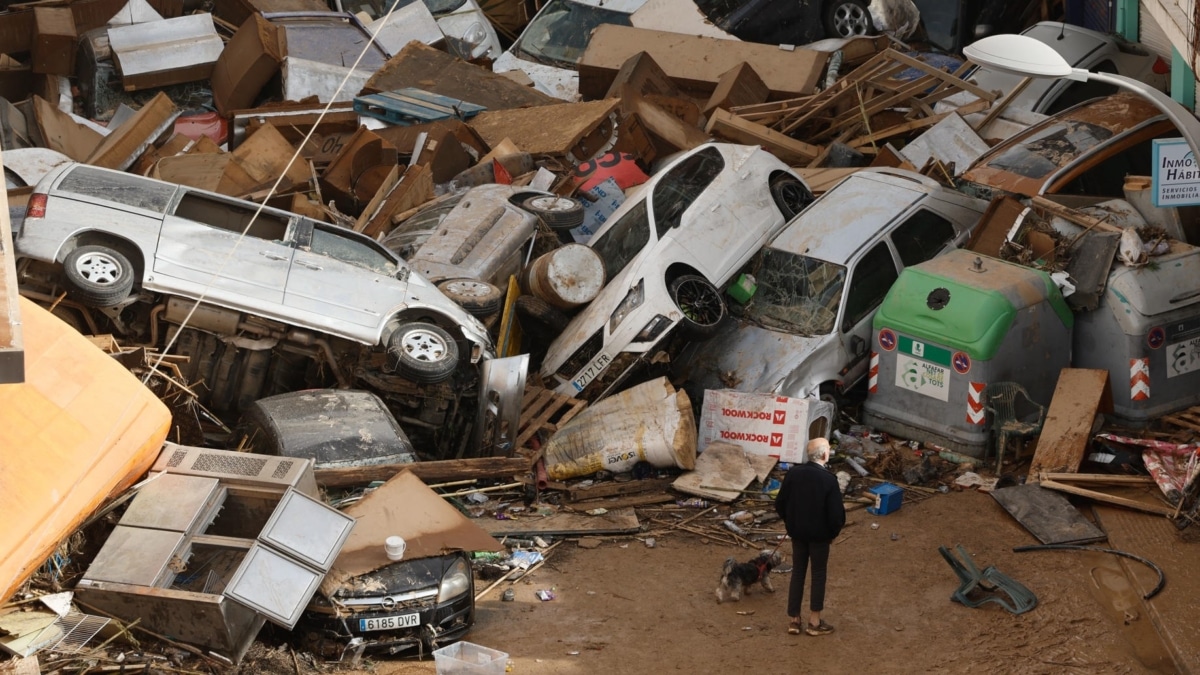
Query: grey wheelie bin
column 1146, row 334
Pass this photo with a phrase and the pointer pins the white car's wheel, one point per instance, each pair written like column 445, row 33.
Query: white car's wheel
column 700, row 303
column 846, row 18
column 423, row 353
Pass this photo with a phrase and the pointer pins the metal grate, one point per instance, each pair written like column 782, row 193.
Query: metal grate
column 238, row 466
column 177, row 458
column 582, row 356
column 77, row 629
column 282, row 469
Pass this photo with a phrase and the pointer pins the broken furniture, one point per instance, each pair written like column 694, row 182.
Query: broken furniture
column 857, row 108
column 214, row 544
column 1007, row 424
column 995, row 585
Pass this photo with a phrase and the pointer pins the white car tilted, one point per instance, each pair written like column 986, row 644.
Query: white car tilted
column 667, row 251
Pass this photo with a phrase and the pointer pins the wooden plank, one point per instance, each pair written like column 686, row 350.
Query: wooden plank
column 941, row 75
column 430, row 472
column 528, row 128
column 622, row 502
column 576, row 408
column 616, row 521
column 974, row 106
column 1149, row 507
column 732, row 127
column 992, row 231
column 1079, row 395
column 556, row 402
column 1098, row 478
column 613, row 489
column 1054, row 208
column 1002, row 104
column 528, row 412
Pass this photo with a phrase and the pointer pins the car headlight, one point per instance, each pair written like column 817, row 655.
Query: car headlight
column 653, row 329
column 455, row 582
column 474, row 35
column 633, row 300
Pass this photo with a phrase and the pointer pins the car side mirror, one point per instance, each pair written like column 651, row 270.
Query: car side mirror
column 858, row 345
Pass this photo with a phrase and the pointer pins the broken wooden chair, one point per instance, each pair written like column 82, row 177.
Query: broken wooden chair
column 993, row 585
column 1001, row 400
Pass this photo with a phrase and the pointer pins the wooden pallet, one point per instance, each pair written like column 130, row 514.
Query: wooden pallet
column 844, row 111
column 411, row 106
column 1185, row 419
column 540, row 406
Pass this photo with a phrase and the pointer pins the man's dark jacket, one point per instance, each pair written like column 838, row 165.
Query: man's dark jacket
column 810, row 503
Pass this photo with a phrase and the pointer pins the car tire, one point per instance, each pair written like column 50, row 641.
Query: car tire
column 544, row 316
column 558, row 213
column 479, row 298
column 790, row 195
column 422, row 352
column 846, row 18
column 98, row 276
column 700, row 304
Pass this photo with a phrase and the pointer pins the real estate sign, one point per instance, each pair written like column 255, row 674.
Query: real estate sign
column 1176, row 174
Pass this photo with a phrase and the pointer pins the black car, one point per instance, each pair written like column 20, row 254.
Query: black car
column 410, row 607
column 795, row 22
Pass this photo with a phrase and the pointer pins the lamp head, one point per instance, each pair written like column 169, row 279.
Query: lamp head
column 1018, row 55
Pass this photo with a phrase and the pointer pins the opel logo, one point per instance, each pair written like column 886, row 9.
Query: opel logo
column 388, row 602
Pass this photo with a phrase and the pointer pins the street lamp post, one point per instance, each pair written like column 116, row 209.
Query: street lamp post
column 1026, row 57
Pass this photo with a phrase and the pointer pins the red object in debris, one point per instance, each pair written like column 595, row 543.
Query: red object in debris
column 1160, row 67
column 208, row 124
column 501, row 174
column 620, row 166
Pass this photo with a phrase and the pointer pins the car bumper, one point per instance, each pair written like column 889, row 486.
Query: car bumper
column 440, row 624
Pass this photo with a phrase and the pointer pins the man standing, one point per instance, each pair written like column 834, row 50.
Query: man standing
column 810, row 504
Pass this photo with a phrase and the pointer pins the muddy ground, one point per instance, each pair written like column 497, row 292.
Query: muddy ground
column 627, row 608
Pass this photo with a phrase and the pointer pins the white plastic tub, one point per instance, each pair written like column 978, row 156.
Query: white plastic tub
column 466, row 658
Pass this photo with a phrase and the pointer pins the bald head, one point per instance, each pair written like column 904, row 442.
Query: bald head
column 818, row 450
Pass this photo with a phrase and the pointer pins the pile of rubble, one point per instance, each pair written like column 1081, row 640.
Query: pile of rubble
column 336, row 273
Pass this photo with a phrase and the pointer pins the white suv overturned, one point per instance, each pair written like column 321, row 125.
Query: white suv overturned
column 111, row 239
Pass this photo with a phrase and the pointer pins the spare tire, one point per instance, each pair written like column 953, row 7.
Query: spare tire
column 559, row 213
column 539, row 315
column 422, row 352
column 479, row 298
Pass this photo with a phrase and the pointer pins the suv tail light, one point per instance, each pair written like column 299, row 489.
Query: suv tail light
column 37, row 206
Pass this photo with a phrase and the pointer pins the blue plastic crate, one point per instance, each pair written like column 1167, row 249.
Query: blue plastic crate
column 888, row 498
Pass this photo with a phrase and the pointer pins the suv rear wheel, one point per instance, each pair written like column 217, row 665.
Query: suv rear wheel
column 98, row 276
column 422, row 352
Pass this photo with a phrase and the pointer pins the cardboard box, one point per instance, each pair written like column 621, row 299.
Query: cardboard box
column 55, row 42
column 248, row 62
column 694, row 63
column 16, row 32
column 763, row 424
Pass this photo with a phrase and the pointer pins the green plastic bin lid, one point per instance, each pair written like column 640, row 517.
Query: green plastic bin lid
column 966, row 301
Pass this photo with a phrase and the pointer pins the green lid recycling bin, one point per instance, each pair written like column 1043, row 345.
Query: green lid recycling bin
column 948, row 328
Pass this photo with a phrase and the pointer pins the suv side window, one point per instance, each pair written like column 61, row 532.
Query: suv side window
column 349, row 250
column 921, row 236
column 679, row 188
column 871, row 280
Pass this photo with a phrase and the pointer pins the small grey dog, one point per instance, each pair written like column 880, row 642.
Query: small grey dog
column 736, row 576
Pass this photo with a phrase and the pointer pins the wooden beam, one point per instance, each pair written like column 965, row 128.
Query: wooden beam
column 613, row 489
column 431, row 472
column 1078, row 396
column 1054, row 208
column 1002, row 103
column 732, row 127
column 974, row 106
column 1103, row 478
column 1160, row 509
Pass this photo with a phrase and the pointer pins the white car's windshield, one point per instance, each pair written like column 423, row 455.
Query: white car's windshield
column 625, row 239
column 796, row 293
column 560, row 33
